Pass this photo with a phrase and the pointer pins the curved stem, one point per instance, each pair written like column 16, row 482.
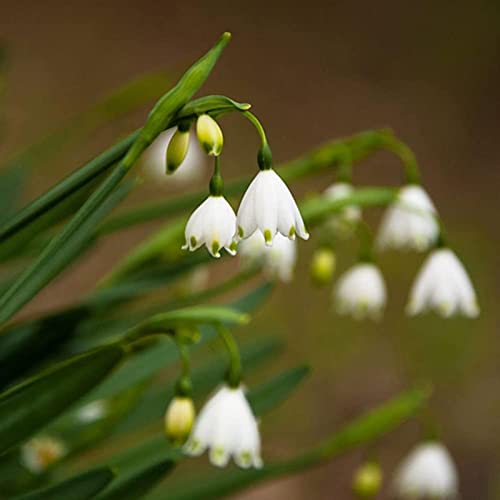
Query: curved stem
column 258, row 126
column 400, row 149
column 235, row 370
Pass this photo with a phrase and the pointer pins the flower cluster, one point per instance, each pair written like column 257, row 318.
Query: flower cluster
column 410, row 223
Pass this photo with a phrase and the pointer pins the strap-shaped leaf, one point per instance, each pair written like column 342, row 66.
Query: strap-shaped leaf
column 28, row 407
column 81, row 487
column 30, row 283
column 60, row 252
column 271, row 393
column 362, row 431
column 139, row 483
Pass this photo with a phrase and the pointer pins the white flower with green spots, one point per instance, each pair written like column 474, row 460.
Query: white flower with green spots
column 228, row 428
column 361, row 292
column 212, row 224
column 268, row 206
column 278, row 261
column 444, row 286
column 410, row 222
column 427, row 472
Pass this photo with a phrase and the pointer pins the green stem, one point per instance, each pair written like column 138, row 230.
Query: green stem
column 400, row 149
column 183, row 387
column 331, row 154
column 235, row 370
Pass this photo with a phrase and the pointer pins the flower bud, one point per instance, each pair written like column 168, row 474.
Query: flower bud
column 209, row 135
column 179, row 419
column 367, row 480
column 323, row 266
column 177, row 150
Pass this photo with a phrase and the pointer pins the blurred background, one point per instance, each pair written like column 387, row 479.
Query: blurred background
column 313, row 71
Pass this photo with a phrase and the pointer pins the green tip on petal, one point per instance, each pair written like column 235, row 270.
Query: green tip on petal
column 240, row 232
column 268, row 236
column 291, row 233
column 215, row 248
column 193, row 241
column 233, row 246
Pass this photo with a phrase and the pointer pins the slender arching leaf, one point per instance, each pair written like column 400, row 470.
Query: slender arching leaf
column 362, row 431
column 29, row 282
column 29, row 406
column 81, row 487
column 138, row 484
column 51, row 263
column 276, row 390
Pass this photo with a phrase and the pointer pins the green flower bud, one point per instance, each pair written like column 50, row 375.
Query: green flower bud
column 323, row 266
column 177, row 150
column 179, row 419
column 367, row 480
column 209, row 135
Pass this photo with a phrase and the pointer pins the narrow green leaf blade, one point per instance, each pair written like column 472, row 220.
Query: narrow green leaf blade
column 81, row 487
column 30, row 405
column 139, row 483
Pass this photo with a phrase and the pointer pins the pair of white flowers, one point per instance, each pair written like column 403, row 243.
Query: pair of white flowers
column 267, row 208
column 442, row 284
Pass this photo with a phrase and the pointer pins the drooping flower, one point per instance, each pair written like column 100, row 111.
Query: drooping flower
column 228, row 428
column 212, row 224
column 278, row 261
column 444, row 286
column 361, row 292
column 323, row 266
column 179, row 418
column 154, row 162
column 177, row 150
column 268, row 206
column 343, row 221
column 427, row 472
column 41, row 452
column 410, row 222
column 367, row 480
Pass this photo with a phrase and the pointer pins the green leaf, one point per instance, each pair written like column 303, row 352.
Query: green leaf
column 139, row 483
column 362, row 431
column 81, row 487
column 29, row 406
column 54, row 255
column 190, row 317
column 60, row 252
column 11, row 182
column 276, row 390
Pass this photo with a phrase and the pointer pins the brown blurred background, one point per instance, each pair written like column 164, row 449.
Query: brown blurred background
column 313, row 71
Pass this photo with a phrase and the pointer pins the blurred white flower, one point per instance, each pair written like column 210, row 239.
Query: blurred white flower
column 427, row 472
column 268, row 206
column 278, row 260
column 361, row 292
column 410, row 222
column 212, row 224
column 41, row 452
column 191, row 169
column 92, row 411
column 443, row 285
column 227, row 426
column 343, row 221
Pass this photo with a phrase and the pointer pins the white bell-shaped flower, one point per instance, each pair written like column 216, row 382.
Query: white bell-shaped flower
column 39, row 453
column 410, row 222
column 268, row 206
column 228, row 428
column 348, row 215
column 278, row 261
column 154, row 162
column 427, row 472
column 444, row 286
column 212, row 224
column 361, row 292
